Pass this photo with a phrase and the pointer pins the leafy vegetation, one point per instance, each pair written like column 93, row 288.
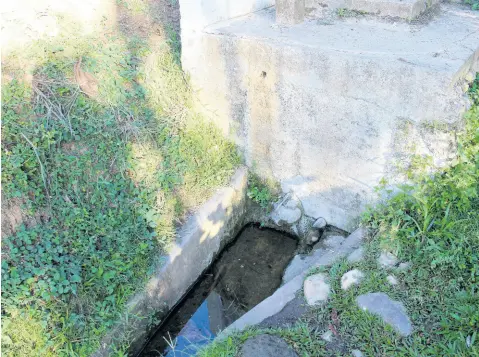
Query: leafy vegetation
column 474, row 4
column 261, row 191
column 433, row 223
column 102, row 181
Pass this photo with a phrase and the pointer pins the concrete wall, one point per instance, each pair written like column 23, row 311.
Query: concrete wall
column 197, row 14
column 330, row 110
column 202, row 237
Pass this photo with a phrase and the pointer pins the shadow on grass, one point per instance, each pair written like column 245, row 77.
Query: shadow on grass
column 111, row 176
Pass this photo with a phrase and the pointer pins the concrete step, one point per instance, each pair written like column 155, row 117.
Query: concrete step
column 330, row 107
column 404, row 9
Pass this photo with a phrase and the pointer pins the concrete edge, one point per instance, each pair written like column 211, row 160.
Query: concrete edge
column 268, row 307
column 287, row 292
column 200, row 239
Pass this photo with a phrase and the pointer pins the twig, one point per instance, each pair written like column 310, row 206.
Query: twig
column 42, row 169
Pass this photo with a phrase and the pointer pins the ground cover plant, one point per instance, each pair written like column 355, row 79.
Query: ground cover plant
column 103, row 156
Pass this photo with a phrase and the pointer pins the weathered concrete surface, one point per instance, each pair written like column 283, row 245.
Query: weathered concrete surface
column 289, row 12
column 330, row 110
column 289, row 315
column 391, row 312
column 356, row 256
column 268, row 307
column 266, row 346
column 203, row 236
column 323, row 255
column 406, row 9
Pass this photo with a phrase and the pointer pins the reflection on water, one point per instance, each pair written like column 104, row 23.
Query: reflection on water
column 246, row 273
column 196, row 333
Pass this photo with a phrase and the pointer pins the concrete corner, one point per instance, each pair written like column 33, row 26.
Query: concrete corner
column 289, row 12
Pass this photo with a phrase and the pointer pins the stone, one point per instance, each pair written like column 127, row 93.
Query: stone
column 357, row 353
column 327, row 336
column 390, row 311
column 392, row 280
column 312, row 236
column 289, row 12
column 387, row 260
column 320, row 223
column 316, row 289
column 352, row 277
column 404, row 266
column 266, row 346
column 285, row 215
column 356, row 256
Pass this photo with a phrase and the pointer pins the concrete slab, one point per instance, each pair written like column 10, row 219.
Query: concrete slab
column 323, row 255
column 289, row 12
column 330, row 110
column 405, row 9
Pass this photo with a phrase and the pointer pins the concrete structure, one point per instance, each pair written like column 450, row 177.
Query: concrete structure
column 202, row 237
column 328, row 108
column 405, row 9
column 274, row 304
column 289, row 12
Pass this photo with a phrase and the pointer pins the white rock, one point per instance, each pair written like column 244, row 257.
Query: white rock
column 352, row 277
column 312, row 236
column 285, row 215
column 404, row 266
column 293, row 202
column 387, row 260
column 316, row 289
column 392, row 280
column 357, row 353
column 320, row 223
column 327, row 336
column 356, row 256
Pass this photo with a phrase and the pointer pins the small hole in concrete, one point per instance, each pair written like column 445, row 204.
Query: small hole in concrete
column 263, row 74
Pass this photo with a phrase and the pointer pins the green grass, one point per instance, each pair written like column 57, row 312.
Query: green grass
column 105, row 180
column 474, row 4
column 262, row 191
column 300, row 337
column 433, row 224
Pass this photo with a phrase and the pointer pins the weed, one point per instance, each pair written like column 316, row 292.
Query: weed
column 113, row 174
column 474, row 4
column 261, row 191
column 343, row 13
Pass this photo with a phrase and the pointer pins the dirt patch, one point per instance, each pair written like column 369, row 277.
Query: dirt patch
column 157, row 18
column 254, row 265
column 14, row 214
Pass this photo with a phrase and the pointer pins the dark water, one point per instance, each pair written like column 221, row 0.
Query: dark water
column 247, row 272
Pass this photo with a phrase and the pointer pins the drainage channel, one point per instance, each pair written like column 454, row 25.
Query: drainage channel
column 245, row 273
